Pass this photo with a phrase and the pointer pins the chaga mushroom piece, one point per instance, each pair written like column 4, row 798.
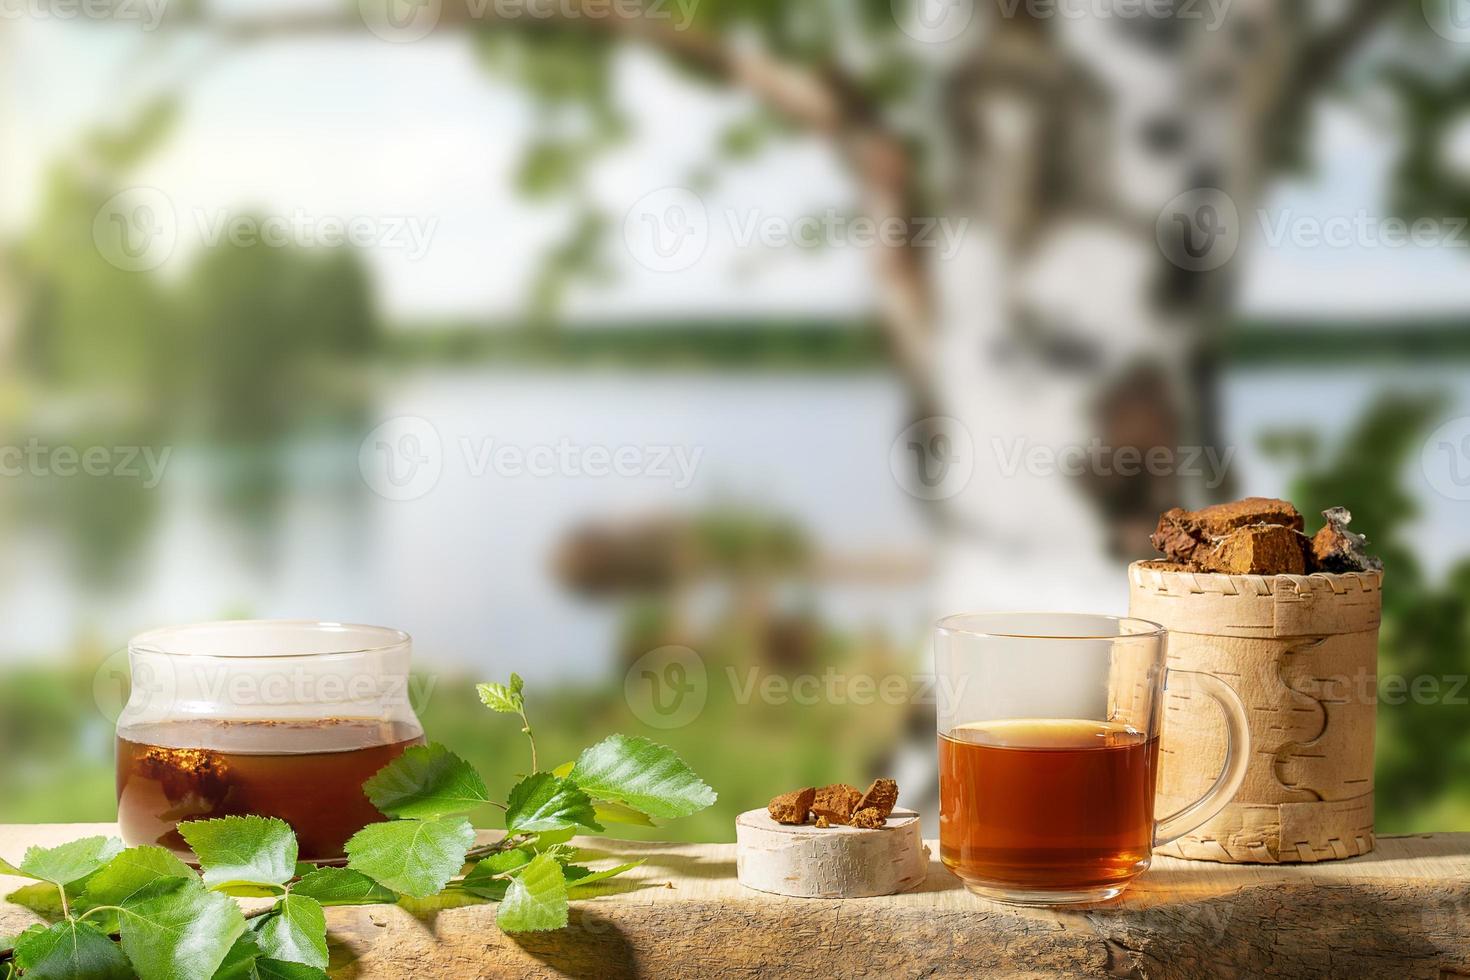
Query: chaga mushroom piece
column 881, row 796
column 1336, row 549
column 868, row 819
column 1177, row 537
column 1267, row 549
column 836, row 802
column 1185, row 536
column 792, row 808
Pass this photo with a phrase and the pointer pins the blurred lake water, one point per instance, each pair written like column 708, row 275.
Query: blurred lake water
column 466, row 566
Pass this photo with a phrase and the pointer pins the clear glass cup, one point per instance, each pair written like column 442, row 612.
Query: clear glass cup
column 278, row 719
column 1049, row 731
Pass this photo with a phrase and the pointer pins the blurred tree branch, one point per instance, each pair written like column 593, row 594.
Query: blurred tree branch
column 1324, row 56
column 822, row 99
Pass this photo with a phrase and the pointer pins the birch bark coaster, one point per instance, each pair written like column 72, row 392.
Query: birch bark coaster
column 806, row 861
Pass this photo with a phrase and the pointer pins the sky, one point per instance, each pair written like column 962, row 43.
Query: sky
column 346, row 127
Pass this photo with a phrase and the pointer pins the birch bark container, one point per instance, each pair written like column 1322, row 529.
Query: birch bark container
column 1302, row 653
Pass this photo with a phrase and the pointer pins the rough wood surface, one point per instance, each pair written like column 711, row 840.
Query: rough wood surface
column 1402, row 911
column 807, row 861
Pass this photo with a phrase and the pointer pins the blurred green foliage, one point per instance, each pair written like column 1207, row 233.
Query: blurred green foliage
column 59, row 760
column 1423, row 749
column 249, row 347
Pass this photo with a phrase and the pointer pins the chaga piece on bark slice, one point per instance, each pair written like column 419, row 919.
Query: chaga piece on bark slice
column 1266, row 549
column 792, row 808
column 823, row 822
column 836, row 802
column 1336, row 549
column 881, row 796
column 1185, row 535
column 868, row 819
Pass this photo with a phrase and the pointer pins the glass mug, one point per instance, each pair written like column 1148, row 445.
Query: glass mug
column 1048, row 753
column 278, row 719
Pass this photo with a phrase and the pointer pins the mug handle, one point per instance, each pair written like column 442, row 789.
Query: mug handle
column 1237, row 754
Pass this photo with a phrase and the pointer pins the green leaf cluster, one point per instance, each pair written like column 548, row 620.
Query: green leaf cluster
column 117, row 913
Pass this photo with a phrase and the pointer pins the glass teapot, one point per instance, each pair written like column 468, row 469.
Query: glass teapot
column 279, row 719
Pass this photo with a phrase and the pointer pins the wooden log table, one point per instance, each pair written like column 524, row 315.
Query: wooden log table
column 1401, row 911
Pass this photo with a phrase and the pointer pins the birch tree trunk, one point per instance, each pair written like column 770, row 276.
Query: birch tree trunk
column 1069, row 340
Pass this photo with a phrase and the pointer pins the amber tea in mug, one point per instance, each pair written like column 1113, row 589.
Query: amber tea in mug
column 1048, row 753
column 275, row 719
